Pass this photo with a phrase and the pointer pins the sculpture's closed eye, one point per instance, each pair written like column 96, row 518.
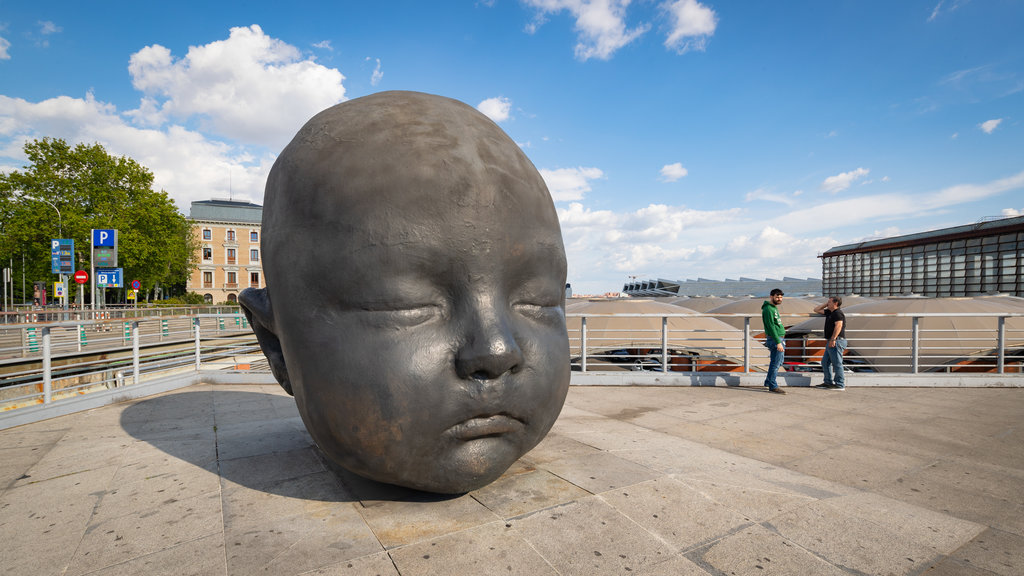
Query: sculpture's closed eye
column 402, row 317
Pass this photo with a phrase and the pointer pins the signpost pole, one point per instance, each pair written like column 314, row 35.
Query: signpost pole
column 92, row 271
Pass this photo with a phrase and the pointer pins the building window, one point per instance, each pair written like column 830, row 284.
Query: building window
column 254, row 236
column 207, row 279
column 231, row 235
column 207, row 234
column 207, row 253
column 232, row 280
column 232, row 256
column 254, row 255
column 254, row 279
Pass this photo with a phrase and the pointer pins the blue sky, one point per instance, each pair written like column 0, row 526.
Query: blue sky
column 679, row 138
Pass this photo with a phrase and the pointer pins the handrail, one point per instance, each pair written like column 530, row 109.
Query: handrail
column 909, row 349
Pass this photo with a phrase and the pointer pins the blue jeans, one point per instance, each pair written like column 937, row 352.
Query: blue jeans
column 832, row 361
column 773, row 365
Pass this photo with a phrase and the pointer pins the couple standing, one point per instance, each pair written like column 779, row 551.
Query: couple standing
column 835, row 331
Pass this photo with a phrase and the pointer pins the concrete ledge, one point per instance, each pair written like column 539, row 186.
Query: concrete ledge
column 92, row 400
column 235, row 377
column 801, row 379
column 64, row 407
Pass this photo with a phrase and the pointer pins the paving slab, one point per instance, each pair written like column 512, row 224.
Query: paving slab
column 493, row 549
column 225, row 480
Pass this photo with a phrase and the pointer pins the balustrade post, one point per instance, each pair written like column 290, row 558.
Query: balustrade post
column 746, row 345
column 1001, row 363
column 198, row 357
column 915, row 341
column 664, row 344
column 135, row 352
column 47, row 367
column 583, row 344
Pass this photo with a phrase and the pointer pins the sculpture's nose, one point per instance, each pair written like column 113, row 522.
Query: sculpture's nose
column 488, row 348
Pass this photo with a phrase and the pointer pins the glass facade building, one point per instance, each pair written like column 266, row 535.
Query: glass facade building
column 982, row 258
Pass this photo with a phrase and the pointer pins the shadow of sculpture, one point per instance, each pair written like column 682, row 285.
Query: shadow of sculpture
column 252, row 440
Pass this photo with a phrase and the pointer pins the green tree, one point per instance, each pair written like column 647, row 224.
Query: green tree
column 92, row 189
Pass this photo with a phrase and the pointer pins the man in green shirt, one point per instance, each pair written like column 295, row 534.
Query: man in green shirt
column 775, row 338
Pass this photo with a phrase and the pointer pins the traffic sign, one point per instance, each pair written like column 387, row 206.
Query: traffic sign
column 104, row 238
column 62, row 256
column 109, row 277
column 104, row 248
column 58, row 289
column 81, row 277
column 136, row 285
column 131, row 294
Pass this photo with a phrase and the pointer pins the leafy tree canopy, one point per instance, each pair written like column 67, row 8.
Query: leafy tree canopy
column 92, row 189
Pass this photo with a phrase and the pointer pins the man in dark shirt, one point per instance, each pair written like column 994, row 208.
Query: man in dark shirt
column 835, row 331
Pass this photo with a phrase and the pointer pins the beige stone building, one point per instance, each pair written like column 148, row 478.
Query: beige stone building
column 230, row 258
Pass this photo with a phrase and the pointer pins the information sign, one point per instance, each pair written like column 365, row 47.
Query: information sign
column 58, row 289
column 62, row 256
column 105, row 257
column 104, row 238
column 104, row 248
column 109, row 277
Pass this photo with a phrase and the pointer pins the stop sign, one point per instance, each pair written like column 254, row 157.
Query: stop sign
column 81, row 277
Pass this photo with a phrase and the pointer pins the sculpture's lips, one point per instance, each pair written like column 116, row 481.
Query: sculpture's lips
column 484, row 426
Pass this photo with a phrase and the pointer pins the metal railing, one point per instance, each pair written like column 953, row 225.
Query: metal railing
column 904, row 343
column 29, row 314
column 44, row 363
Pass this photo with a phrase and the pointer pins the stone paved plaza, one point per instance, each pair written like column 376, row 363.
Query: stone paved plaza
column 223, row 479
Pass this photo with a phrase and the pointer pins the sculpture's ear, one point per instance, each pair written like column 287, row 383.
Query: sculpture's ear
column 256, row 305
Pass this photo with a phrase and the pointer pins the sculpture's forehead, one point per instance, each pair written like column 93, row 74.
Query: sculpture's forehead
column 392, row 152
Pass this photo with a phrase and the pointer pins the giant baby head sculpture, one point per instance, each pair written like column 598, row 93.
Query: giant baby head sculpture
column 415, row 302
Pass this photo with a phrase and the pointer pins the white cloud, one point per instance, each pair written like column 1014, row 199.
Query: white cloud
column 4, row 47
column 673, row 172
column 567, row 184
column 249, row 87
column 377, row 75
column 768, row 196
column 254, row 90
column 692, row 24
column 989, row 126
column 46, row 28
column 841, row 182
column 496, row 109
column 184, row 163
column 674, row 241
column 897, row 206
column 940, row 8
column 1009, row 212
column 600, row 24
column 324, row 45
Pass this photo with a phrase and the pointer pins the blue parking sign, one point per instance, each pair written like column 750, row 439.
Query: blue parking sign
column 109, row 277
column 104, row 238
column 62, row 255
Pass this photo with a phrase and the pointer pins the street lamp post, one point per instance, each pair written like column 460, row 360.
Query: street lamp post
column 60, row 232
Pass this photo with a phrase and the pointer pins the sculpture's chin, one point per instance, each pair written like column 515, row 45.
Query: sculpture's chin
column 462, row 466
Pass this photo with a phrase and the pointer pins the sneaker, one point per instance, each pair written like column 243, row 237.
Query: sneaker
column 824, row 386
column 834, row 387
column 776, row 390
